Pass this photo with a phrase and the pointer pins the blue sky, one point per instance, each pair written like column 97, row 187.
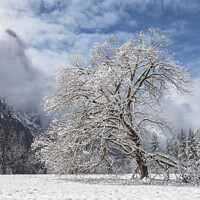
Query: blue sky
column 51, row 29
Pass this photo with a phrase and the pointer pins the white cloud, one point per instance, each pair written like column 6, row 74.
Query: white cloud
column 184, row 111
column 47, row 60
column 20, row 84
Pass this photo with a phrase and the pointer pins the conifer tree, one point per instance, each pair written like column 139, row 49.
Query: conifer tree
column 198, row 143
column 175, row 153
column 169, row 149
column 154, row 148
column 191, row 151
column 182, row 147
column 154, row 143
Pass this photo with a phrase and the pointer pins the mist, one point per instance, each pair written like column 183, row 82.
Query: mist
column 21, row 85
column 184, row 111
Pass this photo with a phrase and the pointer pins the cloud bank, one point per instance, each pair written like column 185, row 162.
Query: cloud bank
column 184, row 111
column 20, row 84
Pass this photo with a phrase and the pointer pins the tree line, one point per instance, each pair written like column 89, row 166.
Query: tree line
column 185, row 148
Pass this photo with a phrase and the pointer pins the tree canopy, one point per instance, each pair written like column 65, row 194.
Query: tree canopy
column 108, row 102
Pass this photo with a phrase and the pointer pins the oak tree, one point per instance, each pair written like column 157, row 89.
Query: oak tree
column 108, row 102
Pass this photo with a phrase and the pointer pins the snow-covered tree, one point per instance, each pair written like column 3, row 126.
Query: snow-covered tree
column 109, row 102
column 198, row 143
column 175, row 152
column 154, row 143
column 154, row 147
column 182, row 147
column 191, row 151
column 169, row 148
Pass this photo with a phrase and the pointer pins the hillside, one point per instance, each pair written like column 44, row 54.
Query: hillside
column 17, row 130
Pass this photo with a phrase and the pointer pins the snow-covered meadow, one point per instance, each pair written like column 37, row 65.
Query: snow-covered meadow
column 51, row 187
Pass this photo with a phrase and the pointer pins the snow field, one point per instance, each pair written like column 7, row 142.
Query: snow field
column 51, row 187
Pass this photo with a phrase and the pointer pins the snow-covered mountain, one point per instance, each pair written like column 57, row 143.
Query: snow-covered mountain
column 19, row 120
column 17, row 130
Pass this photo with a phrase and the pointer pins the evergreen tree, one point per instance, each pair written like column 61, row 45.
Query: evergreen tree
column 154, row 143
column 198, row 143
column 169, row 149
column 2, row 151
column 154, row 148
column 175, row 153
column 182, row 147
column 191, row 151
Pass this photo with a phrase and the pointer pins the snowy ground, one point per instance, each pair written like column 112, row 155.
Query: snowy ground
column 50, row 187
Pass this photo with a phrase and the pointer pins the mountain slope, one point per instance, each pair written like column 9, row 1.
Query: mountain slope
column 17, row 130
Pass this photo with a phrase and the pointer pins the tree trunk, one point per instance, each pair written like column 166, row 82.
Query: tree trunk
column 140, row 159
column 142, row 165
column 143, row 171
